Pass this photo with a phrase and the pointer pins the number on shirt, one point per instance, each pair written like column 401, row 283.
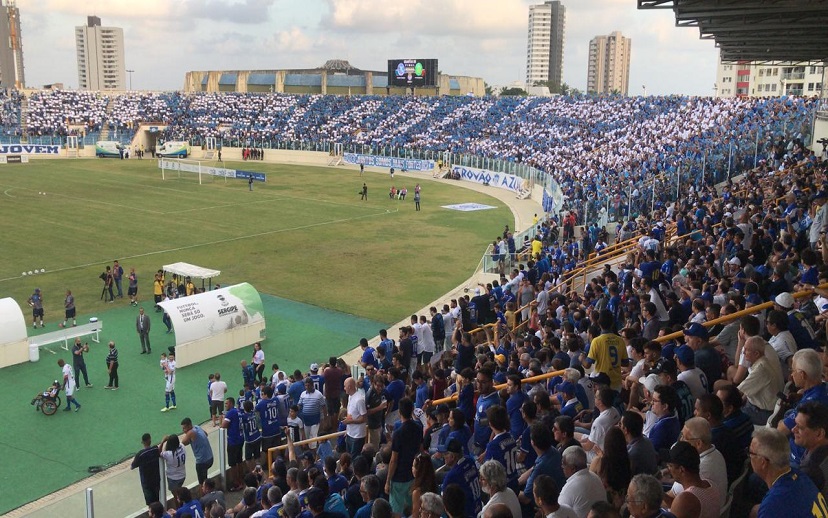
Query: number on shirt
column 613, row 354
column 820, row 509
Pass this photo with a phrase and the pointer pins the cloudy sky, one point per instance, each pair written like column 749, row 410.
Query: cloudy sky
column 485, row 38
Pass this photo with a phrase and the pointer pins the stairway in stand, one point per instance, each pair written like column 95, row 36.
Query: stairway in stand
column 24, row 112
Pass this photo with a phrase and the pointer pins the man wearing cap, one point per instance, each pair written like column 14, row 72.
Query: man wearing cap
column 608, row 352
column 667, row 372
column 707, row 358
column 699, row 497
column 763, row 382
column 798, row 325
column 689, row 373
column 463, row 472
column 571, row 405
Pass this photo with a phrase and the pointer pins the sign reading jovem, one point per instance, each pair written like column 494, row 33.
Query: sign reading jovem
column 409, row 164
column 27, row 149
column 483, row 176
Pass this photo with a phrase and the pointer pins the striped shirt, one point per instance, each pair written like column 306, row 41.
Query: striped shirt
column 112, row 357
column 310, row 407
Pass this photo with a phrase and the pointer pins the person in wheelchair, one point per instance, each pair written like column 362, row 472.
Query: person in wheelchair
column 50, row 393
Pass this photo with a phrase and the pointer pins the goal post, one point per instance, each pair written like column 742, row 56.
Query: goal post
column 185, row 169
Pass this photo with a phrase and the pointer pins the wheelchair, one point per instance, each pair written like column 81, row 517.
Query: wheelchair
column 48, row 401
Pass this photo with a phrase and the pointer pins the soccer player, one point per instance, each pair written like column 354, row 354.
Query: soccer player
column 252, row 435
column 168, row 365
column 235, row 440
column 69, row 304
column 36, row 303
column 68, row 385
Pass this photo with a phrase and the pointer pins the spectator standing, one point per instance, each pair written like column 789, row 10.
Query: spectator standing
column 132, row 287
column 149, row 471
column 174, row 460
column 69, row 306
column 78, row 361
column 117, row 276
column 217, row 389
column 196, row 437
column 258, row 361
column 311, row 410
column 608, row 351
column 356, row 420
column 142, row 327
column 462, row 472
column 36, row 303
column 332, row 387
column 406, row 442
column 232, row 422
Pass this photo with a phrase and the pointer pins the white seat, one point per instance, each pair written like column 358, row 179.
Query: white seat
column 68, row 333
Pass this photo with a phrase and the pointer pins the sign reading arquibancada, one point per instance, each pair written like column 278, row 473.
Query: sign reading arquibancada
column 409, row 164
column 27, row 149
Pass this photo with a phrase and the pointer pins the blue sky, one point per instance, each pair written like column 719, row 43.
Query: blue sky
column 484, row 38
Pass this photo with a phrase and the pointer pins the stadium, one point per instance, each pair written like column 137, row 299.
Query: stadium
column 660, row 278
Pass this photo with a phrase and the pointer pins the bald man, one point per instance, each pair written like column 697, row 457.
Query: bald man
column 356, row 420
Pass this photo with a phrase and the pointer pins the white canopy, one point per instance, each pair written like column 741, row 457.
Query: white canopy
column 192, row 271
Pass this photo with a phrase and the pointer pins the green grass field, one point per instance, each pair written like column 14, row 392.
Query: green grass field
column 305, row 235
column 331, row 269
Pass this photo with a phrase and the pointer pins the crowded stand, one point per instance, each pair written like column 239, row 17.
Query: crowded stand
column 61, row 113
column 653, row 389
column 685, row 377
column 10, row 112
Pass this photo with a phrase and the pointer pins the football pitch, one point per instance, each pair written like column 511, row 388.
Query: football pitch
column 331, row 268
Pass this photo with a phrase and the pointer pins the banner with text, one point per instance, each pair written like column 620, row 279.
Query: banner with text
column 409, row 164
column 486, row 177
column 27, row 149
column 213, row 312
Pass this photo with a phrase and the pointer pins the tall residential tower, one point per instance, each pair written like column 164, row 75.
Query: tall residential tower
column 11, row 48
column 544, row 52
column 609, row 64
column 100, row 56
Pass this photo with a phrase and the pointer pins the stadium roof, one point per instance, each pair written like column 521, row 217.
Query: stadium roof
column 756, row 30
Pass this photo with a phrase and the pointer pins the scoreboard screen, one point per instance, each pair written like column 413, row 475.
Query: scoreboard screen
column 412, row 72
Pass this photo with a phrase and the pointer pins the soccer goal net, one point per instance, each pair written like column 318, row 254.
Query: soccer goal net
column 187, row 170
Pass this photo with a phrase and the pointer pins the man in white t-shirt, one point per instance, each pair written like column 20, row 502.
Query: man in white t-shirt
column 218, row 389
column 690, row 374
column 68, row 385
column 169, row 383
column 607, row 418
column 356, row 420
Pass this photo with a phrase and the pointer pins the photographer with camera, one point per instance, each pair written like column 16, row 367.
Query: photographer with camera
column 108, row 280
column 78, row 362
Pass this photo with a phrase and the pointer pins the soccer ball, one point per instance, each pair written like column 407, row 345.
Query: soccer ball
column 30, row 273
column 43, row 270
column 23, row 274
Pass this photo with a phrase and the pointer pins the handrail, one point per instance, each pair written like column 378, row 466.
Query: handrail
column 533, row 379
column 733, row 316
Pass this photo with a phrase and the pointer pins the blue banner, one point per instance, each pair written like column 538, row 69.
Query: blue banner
column 257, row 177
column 407, row 164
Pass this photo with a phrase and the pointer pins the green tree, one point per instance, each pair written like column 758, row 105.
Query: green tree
column 565, row 89
column 514, row 91
column 488, row 88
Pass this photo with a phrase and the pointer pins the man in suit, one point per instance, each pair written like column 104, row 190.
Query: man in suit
column 142, row 325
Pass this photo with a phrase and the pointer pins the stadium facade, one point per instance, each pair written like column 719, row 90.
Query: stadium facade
column 335, row 77
column 609, row 64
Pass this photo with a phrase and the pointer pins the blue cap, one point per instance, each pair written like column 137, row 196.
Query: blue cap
column 686, row 356
column 697, row 330
column 566, row 388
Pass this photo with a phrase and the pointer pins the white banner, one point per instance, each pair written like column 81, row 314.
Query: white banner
column 28, row 149
column 409, row 164
column 214, row 312
column 484, row 176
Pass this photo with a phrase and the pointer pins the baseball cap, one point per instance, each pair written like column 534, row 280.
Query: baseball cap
column 650, row 382
column 686, row 356
column 666, row 366
column 753, row 298
column 281, row 388
column 728, row 214
column 785, row 300
column 735, row 261
column 443, row 408
column 600, row 378
column 453, row 446
column 308, row 455
column 685, row 455
column 697, row 330
column 314, row 367
column 500, row 359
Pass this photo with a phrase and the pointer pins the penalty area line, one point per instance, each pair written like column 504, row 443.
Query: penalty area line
column 223, row 241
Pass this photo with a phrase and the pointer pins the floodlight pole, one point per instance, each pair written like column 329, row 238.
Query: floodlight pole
column 130, row 77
